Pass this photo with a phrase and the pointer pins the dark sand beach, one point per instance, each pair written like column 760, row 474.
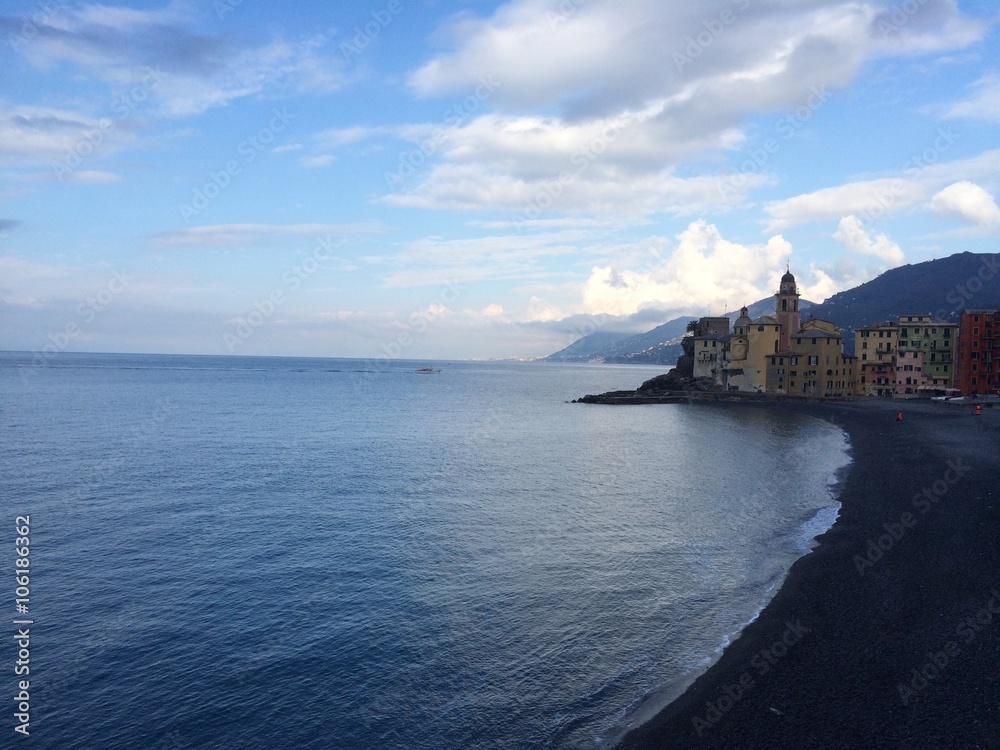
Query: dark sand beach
column 888, row 634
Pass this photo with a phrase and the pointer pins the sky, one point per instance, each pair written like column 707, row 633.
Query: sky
column 470, row 179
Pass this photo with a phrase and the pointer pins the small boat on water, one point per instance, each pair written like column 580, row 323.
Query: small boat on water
column 426, row 370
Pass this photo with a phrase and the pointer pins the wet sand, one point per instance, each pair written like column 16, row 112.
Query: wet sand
column 888, row 634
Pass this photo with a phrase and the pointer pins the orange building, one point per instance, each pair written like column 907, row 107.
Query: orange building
column 978, row 344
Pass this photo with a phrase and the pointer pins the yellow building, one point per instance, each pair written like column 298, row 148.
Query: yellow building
column 807, row 359
column 875, row 347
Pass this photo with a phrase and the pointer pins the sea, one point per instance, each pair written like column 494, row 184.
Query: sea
column 244, row 552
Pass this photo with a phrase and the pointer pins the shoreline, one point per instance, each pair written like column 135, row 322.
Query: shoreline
column 868, row 642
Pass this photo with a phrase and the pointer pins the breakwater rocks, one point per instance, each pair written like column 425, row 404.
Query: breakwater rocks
column 669, row 388
column 623, row 398
column 672, row 388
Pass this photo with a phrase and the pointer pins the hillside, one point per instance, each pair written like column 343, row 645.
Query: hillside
column 588, row 348
column 941, row 288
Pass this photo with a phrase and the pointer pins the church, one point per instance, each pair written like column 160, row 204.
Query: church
column 775, row 353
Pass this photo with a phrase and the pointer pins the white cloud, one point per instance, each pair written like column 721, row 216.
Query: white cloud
column 858, row 239
column 317, row 162
column 183, row 71
column 675, row 81
column 913, row 185
column 435, row 261
column 705, row 272
column 336, row 137
column 62, row 140
column 236, row 235
column 969, row 202
column 983, row 104
column 84, row 177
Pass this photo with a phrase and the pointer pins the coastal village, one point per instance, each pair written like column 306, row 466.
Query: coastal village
column 912, row 357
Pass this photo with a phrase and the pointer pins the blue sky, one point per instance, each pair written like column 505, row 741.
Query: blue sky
column 433, row 179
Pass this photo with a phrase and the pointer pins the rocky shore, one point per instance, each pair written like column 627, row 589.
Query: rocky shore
column 673, row 388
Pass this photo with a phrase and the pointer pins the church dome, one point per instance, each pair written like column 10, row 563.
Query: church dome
column 787, row 277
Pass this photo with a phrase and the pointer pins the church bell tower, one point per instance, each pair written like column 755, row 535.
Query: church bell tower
column 787, row 310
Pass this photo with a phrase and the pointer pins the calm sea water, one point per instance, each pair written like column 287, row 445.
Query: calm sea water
column 290, row 553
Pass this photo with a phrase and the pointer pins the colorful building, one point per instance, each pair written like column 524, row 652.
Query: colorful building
column 978, row 344
column 814, row 365
column 807, row 359
column 925, row 356
column 744, row 356
column 875, row 348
